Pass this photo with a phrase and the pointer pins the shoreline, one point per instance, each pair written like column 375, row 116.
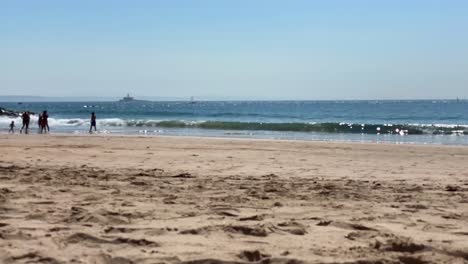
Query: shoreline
column 318, row 141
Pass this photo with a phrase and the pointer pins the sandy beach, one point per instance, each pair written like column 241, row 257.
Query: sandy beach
column 118, row 199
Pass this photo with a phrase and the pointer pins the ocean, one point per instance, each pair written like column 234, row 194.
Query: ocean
column 417, row 121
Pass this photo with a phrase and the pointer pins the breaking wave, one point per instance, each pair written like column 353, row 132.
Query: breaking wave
column 323, row 127
column 327, row 127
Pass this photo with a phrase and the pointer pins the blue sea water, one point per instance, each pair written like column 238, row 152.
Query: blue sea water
column 419, row 121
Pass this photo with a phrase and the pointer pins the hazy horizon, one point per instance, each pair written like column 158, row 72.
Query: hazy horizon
column 249, row 50
column 20, row 98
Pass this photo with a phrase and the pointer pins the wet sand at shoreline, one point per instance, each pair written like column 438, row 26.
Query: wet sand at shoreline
column 112, row 199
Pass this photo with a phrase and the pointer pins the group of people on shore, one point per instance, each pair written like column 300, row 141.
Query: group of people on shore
column 43, row 123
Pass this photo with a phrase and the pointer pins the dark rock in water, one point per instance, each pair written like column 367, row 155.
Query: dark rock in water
column 11, row 113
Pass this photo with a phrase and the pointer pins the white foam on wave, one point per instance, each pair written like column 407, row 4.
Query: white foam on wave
column 119, row 122
column 65, row 122
column 441, row 125
column 81, row 122
column 5, row 120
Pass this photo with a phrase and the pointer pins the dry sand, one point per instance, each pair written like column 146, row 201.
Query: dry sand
column 103, row 199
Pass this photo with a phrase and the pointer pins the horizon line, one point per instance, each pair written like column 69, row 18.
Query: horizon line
column 29, row 98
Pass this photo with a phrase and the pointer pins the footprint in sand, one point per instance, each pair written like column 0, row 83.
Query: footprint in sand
column 89, row 239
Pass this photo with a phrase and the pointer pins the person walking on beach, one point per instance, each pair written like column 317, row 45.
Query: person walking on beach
column 45, row 122
column 12, row 127
column 26, row 118
column 93, row 123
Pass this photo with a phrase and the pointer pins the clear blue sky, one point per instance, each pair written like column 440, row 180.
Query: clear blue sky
column 290, row 49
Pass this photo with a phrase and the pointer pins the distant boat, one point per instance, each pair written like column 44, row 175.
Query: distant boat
column 127, row 98
column 192, row 100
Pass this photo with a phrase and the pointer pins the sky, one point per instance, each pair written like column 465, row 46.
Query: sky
column 250, row 49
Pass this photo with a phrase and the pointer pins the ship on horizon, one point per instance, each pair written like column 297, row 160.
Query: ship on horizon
column 127, row 98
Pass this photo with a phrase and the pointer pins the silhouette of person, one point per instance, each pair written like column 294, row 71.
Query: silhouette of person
column 93, row 122
column 12, row 127
column 45, row 122
column 39, row 123
column 26, row 118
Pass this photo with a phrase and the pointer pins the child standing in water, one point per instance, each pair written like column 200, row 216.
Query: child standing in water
column 12, row 127
column 93, row 123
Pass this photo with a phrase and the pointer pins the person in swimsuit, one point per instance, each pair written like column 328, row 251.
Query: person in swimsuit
column 93, row 123
column 26, row 118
